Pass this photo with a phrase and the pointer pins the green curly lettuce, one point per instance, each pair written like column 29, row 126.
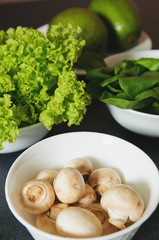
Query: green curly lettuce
column 38, row 80
column 68, row 102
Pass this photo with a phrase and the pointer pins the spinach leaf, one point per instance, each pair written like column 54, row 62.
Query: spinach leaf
column 133, row 84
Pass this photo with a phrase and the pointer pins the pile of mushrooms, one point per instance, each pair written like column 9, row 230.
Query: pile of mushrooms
column 79, row 201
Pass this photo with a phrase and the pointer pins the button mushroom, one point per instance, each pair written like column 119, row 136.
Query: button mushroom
column 88, row 198
column 102, row 178
column 69, row 185
column 108, row 228
column 83, row 165
column 36, row 196
column 46, row 224
column 123, row 204
column 49, row 175
column 78, row 222
column 56, row 209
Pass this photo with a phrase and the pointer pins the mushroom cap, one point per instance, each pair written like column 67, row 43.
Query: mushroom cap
column 102, row 178
column 69, row 185
column 78, row 222
column 48, row 175
column 122, row 203
column 56, row 209
column 98, row 211
column 36, row 196
column 108, row 228
column 88, row 198
column 46, row 224
column 83, row 165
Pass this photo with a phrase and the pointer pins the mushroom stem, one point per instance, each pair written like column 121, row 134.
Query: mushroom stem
column 117, row 219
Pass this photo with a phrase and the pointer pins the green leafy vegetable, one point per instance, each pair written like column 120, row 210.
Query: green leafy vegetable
column 90, row 60
column 38, row 80
column 134, row 84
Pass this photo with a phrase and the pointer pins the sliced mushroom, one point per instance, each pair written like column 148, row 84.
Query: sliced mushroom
column 123, row 204
column 88, row 198
column 56, row 209
column 102, row 178
column 46, row 224
column 69, row 185
column 108, row 228
column 83, row 165
column 48, row 175
column 78, row 222
column 36, row 196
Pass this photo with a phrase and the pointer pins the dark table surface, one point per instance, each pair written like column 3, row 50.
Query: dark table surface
column 97, row 119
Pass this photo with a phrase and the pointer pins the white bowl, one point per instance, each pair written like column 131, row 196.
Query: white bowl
column 134, row 166
column 29, row 136
column 116, row 59
column 135, row 121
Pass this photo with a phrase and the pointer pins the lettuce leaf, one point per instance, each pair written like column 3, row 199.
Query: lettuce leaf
column 68, row 102
column 8, row 123
column 38, row 80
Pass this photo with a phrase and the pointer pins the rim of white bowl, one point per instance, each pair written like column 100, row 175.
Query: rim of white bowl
column 32, row 228
column 131, row 54
column 31, row 126
column 135, row 111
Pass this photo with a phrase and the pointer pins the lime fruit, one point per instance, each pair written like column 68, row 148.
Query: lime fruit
column 94, row 31
column 123, row 21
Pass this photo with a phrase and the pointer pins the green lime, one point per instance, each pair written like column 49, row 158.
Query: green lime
column 123, row 21
column 94, row 31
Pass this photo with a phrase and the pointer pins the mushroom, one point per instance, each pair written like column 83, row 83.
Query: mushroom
column 108, row 228
column 36, row 196
column 78, row 222
column 46, row 224
column 82, row 164
column 88, row 198
column 69, row 185
column 48, row 175
column 102, row 178
column 123, row 204
column 98, row 211
column 56, row 209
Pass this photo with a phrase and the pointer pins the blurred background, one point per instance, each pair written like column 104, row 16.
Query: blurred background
column 46, row 9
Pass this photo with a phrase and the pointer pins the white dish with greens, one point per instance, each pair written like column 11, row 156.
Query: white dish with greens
column 129, row 85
